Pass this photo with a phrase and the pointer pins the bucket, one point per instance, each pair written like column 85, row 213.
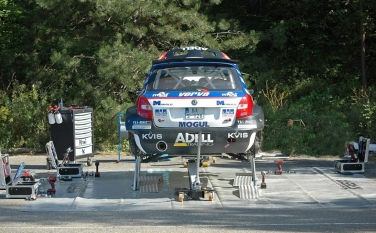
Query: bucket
column 58, row 118
column 51, row 118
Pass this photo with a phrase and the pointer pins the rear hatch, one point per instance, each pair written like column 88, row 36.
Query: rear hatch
column 195, row 108
column 194, row 96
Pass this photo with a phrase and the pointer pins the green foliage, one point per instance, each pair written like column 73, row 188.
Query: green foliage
column 302, row 59
column 362, row 112
column 302, row 129
column 23, row 118
column 6, row 120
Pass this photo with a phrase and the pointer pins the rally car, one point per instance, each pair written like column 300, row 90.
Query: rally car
column 194, row 100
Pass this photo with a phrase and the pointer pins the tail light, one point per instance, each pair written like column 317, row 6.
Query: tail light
column 144, row 109
column 245, row 107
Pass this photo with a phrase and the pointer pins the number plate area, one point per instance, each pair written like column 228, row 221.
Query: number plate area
column 194, row 113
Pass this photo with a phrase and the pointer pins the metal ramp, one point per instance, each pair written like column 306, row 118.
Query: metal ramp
column 247, row 189
column 149, row 182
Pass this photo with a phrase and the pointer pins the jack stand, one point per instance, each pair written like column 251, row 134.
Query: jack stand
column 97, row 174
column 51, row 181
column 279, row 165
column 253, row 168
column 137, row 167
column 196, row 185
column 263, row 184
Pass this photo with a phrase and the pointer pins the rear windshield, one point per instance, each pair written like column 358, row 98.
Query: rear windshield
column 190, row 78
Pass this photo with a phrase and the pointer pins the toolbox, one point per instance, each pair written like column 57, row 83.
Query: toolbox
column 358, row 153
column 22, row 189
column 346, row 166
column 27, row 189
column 73, row 170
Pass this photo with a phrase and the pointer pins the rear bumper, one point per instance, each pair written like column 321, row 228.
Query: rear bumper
column 179, row 141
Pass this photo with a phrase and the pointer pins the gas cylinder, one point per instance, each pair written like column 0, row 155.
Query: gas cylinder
column 51, row 118
column 58, row 118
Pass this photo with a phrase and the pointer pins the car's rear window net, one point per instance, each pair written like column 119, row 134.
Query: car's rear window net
column 189, row 78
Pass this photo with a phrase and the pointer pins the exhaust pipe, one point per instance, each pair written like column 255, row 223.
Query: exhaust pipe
column 161, row 146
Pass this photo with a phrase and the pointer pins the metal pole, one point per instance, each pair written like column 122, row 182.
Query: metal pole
column 253, row 165
column 119, row 137
column 136, row 173
column 197, row 182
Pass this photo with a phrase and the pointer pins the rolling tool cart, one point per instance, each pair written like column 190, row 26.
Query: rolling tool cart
column 76, row 131
column 358, row 152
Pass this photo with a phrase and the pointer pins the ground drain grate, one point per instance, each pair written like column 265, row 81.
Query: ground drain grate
column 346, row 184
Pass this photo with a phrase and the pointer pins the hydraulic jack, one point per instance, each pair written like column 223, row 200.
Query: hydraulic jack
column 196, row 189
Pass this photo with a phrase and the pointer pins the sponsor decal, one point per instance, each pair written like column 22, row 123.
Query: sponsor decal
column 189, row 139
column 237, row 135
column 222, row 102
column 202, row 89
column 82, row 142
column 230, row 94
column 160, row 112
column 151, row 135
column 228, row 112
column 161, row 94
column 141, row 125
column 194, row 124
column 158, row 102
column 247, row 124
column 194, row 48
column 194, row 94
column 142, row 122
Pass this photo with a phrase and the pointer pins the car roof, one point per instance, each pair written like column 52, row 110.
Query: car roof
column 193, row 54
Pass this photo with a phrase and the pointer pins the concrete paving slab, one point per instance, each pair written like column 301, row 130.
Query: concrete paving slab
column 306, row 187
